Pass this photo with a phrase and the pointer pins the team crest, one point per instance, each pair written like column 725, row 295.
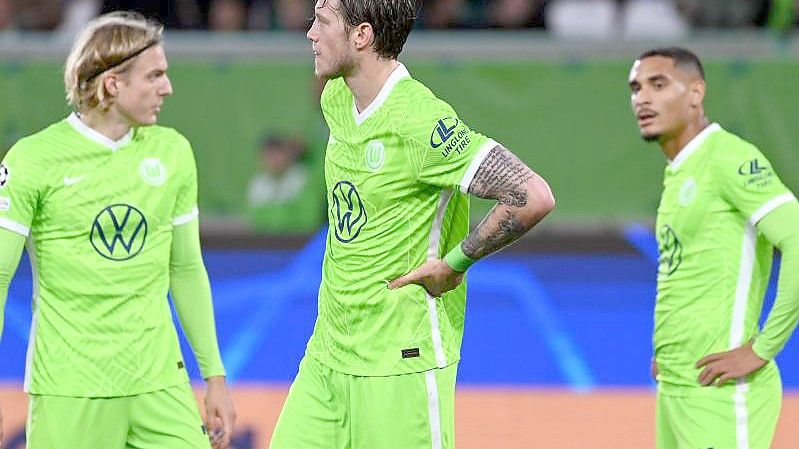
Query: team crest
column 687, row 192
column 4, row 175
column 375, row 155
column 152, row 171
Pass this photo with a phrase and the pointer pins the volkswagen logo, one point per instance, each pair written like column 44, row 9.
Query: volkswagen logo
column 118, row 232
column 348, row 212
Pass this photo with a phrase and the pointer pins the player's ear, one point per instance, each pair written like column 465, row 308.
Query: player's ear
column 697, row 92
column 110, row 84
column 363, row 36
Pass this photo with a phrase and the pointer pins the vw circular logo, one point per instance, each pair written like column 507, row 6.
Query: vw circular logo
column 118, row 232
column 348, row 212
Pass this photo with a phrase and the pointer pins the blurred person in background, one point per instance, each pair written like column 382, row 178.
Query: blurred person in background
column 38, row 15
column 722, row 212
column 283, row 196
column 722, row 13
column 379, row 370
column 174, row 14
column 108, row 204
column 7, row 13
column 293, row 15
column 516, row 13
column 227, row 15
column 441, row 14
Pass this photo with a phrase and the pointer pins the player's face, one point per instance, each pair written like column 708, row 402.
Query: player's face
column 661, row 97
column 142, row 89
column 330, row 41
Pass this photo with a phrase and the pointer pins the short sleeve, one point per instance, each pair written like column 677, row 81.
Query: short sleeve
column 186, row 201
column 750, row 183
column 20, row 191
column 449, row 151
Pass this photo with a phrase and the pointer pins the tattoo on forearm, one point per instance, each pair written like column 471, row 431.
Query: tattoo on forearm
column 501, row 177
column 493, row 233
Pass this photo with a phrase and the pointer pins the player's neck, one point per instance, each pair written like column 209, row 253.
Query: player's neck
column 107, row 123
column 672, row 146
column 367, row 80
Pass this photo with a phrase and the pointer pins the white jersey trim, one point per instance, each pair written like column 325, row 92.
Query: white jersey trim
column 741, row 414
column 691, row 147
column 93, row 135
column 432, row 254
column 482, row 153
column 400, row 72
column 737, row 327
column 13, row 226
column 35, row 320
column 186, row 218
column 434, row 410
column 770, row 206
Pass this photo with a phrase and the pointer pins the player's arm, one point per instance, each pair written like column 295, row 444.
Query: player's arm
column 523, row 199
column 11, row 246
column 191, row 293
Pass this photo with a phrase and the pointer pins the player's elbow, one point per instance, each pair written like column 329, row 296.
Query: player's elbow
column 540, row 200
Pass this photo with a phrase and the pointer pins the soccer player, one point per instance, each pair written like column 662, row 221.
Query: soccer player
column 722, row 211
column 379, row 370
column 108, row 204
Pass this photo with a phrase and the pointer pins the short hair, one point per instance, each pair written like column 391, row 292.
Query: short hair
column 391, row 21
column 682, row 57
column 111, row 41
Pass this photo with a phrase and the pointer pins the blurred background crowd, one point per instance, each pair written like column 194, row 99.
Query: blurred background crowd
column 234, row 15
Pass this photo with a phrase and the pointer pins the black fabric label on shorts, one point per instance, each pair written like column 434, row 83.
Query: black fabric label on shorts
column 410, row 353
column 180, row 365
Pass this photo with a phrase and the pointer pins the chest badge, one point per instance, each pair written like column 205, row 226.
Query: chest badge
column 687, row 192
column 152, row 171
column 375, row 155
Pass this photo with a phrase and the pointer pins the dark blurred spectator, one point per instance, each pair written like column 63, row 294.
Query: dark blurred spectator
column 437, row 14
column 6, row 14
column 721, row 13
column 227, row 15
column 516, row 13
column 283, row 196
column 174, row 14
column 293, row 14
column 38, row 15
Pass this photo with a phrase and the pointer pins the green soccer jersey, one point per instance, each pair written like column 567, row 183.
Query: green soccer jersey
column 396, row 174
column 99, row 216
column 714, row 266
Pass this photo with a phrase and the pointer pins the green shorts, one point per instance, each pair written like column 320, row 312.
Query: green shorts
column 743, row 416
column 167, row 418
column 326, row 409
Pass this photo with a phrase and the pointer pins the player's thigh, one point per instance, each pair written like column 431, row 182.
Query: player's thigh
column 167, row 418
column 56, row 422
column 315, row 414
column 411, row 411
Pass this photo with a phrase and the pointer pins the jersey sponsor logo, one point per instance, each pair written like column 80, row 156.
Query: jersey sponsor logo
column 5, row 175
column 445, row 133
column 5, row 203
column 687, row 192
column 375, row 155
column 152, row 171
column 348, row 212
column 752, row 167
column 670, row 250
column 119, row 232
column 71, row 180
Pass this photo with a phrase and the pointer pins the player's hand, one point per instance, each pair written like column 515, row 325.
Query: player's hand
column 724, row 366
column 220, row 417
column 436, row 276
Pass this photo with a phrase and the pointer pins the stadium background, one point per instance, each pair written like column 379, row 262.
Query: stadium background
column 557, row 345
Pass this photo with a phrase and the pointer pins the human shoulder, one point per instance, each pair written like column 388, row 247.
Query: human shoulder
column 42, row 145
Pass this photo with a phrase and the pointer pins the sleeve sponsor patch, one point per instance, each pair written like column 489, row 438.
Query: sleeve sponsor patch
column 4, row 175
column 5, row 203
column 448, row 136
column 756, row 174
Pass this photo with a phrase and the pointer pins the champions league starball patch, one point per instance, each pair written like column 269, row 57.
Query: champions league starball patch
column 3, row 175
